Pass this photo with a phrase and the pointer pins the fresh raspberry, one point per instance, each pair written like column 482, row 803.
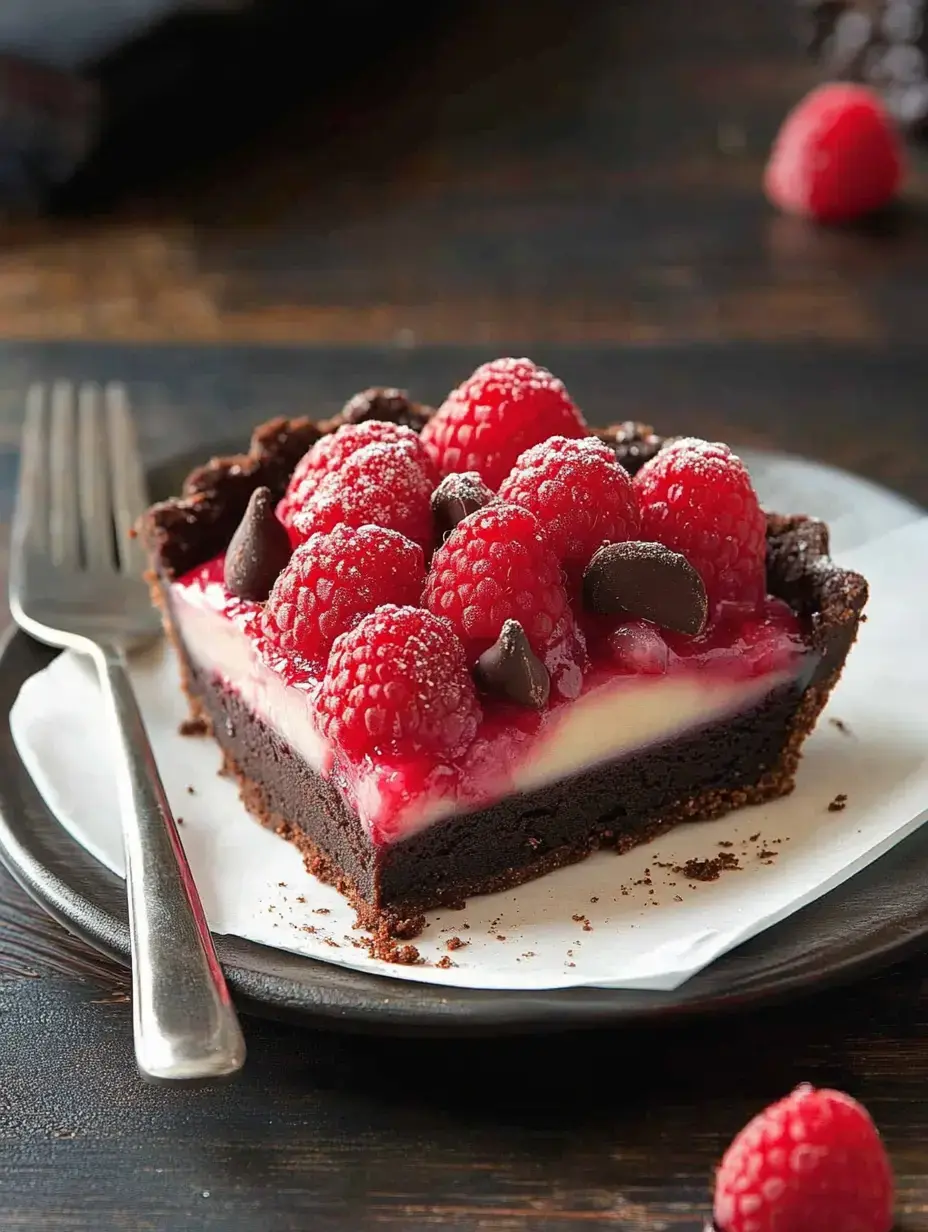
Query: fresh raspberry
column 578, row 492
column 382, row 484
column 333, row 579
column 636, row 647
column 331, row 452
column 507, row 406
column 697, row 499
column 837, row 156
column 813, row 1161
column 397, row 683
column 496, row 566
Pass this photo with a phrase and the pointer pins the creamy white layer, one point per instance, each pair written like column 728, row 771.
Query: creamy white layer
column 615, row 719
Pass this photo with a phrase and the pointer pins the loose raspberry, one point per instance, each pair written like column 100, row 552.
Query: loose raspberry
column 637, row 648
column 507, row 406
column 837, row 156
column 398, row 683
column 331, row 452
column 811, row 1162
column 578, row 492
column 333, row 579
column 382, row 484
column 697, row 499
column 496, row 566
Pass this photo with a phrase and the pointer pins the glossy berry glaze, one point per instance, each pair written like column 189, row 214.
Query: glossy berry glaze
column 513, row 746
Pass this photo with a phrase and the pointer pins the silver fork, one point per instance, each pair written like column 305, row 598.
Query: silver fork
column 76, row 581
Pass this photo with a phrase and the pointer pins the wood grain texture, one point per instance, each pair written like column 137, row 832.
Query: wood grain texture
column 525, row 171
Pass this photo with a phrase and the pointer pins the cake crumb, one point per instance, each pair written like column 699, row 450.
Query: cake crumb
column 595, row 898
column 677, row 898
column 309, row 928
column 841, row 726
column 193, row 727
column 190, row 791
column 463, row 926
column 725, row 843
column 529, row 954
column 838, row 803
column 708, row 870
column 500, row 937
column 301, row 898
column 445, row 962
column 571, row 964
column 752, row 838
column 330, row 942
column 321, row 911
column 178, row 821
column 282, row 885
column 455, row 943
column 381, row 945
column 767, row 857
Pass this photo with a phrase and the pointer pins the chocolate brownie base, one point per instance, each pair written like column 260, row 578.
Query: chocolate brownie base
column 617, row 805
column 743, row 760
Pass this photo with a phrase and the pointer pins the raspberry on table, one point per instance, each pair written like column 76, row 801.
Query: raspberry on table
column 837, row 156
column 334, row 578
column 579, row 493
column 504, row 408
column 383, row 484
column 398, row 682
column 496, row 566
column 334, row 449
column 813, row 1162
column 697, row 498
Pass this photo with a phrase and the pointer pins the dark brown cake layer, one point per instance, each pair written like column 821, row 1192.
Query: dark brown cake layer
column 743, row 760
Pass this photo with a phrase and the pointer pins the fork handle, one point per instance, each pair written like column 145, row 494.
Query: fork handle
column 185, row 1023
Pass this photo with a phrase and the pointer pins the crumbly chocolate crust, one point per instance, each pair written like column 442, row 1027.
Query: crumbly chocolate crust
column 743, row 760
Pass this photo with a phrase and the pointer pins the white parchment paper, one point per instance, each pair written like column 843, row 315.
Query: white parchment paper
column 632, row 921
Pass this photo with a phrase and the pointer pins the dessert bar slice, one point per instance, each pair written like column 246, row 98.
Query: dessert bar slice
column 439, row 649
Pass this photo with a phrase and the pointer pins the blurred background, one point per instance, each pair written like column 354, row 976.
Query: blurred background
column 364, row 170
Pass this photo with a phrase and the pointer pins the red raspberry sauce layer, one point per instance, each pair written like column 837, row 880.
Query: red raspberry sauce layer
column 397, row 797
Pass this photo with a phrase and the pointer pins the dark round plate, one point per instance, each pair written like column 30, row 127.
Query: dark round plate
column 878, row 917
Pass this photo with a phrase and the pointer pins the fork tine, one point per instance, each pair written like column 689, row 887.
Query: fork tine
column 130, row 493
column 64, row 525
column 93, row 472
column 30, row 521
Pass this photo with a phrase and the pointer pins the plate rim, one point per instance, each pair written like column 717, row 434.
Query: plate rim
column 87, row 899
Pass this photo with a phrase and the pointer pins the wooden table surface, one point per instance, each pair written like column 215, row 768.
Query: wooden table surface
column 582, row 186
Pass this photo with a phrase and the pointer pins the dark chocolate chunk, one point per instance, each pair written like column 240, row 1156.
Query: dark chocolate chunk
column 259, row 550
column 647, row 581
column 456, row 497
column 511, row 669
column 389, row 405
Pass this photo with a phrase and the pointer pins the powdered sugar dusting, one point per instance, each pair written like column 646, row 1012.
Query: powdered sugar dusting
column 399, row 682
column 501, row 410
column 384, row 484
column 331, row 452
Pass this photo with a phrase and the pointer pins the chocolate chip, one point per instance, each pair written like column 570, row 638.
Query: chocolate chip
column 510, row 669
column 456, row 497
column 389, row 405
column 259, row 550
column 648, row 581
